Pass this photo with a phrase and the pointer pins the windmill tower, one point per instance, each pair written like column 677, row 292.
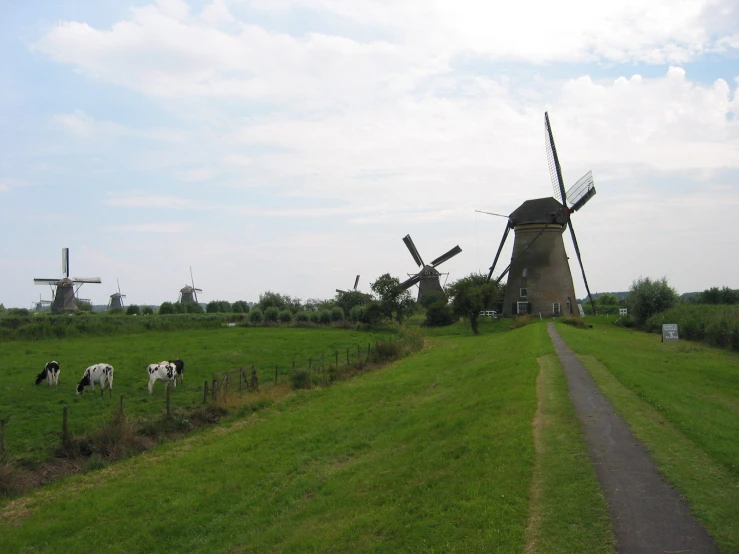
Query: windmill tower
column 539, row 277
column 356, row 282
column 189, row 294
column 65, row 289
column 116, row 299
column 428, row 277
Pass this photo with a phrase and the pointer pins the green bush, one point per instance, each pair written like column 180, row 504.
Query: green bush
column 302, row 317
column 439, row 315
column 193, row 308
column 147, row 310
column 256, row 316
column 285, row 316
column 625, row 321
column 166, row 308
column 133, row 309
column 301, row 379
column 324, row 317
column 648, row 297
column 116, row 311
column 315, row 317
column 575, row 322
column 271, row 314
column 337, row 314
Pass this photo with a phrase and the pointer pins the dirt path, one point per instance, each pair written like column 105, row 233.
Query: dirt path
column 648, row 515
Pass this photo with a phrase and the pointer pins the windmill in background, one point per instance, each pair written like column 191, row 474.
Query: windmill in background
column 428, row 277
column 539, row 277
column 64, row 290
column 116, row 299
column 189, row 294
column 356, row 282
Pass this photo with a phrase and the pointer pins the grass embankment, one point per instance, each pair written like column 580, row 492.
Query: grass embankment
column 433, row 453
column 34, row 413
column 682, row 401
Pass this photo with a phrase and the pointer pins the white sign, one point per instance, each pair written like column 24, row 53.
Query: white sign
column 669, row 332
column 623, row 311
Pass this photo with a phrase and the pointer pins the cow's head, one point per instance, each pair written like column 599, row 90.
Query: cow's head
column 85, row 382
column 41, row 376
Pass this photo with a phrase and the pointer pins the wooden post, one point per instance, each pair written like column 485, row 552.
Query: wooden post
column 276, row 368
column 359, row 353
column 169, row 412
column 65, row 426
column 2, row 438
column 368, row 351
column 347, row 356
column 205, row 391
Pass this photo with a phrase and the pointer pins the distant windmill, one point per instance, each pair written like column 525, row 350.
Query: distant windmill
column 116, row 299
column 65, row 289
column 539, row 277
column 356, row 282
column 41, row 305
column 189, row 294
column 428, row 277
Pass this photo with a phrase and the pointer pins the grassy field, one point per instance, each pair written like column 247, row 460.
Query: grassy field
column 434, row 453
column 682, row 401
column 34, row 413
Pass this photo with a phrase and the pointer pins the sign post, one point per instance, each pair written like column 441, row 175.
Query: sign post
column 669, row 332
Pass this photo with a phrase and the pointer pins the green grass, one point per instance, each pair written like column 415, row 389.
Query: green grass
column 34, row 413
column 682, row 401
column 568, row 513
column 430, row 454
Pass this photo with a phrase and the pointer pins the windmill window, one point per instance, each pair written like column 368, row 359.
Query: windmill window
column 524, row 293
column 557, row 308
column 522, row 308
column 525, row 272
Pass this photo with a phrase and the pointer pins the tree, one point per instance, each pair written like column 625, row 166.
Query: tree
column 271, row 299
column 256, row 316
column 648, row 297
column 337, row 314
column 271, row 314
column 240, row 307
column 472, row 294
column 439, row 314
column 147, row 310
column 193, row 308
column 166, row 308
column 133, row 309
column 84, row 306
column 347, row 300
column 607, row 299
column 394, row 302
column 285, row 316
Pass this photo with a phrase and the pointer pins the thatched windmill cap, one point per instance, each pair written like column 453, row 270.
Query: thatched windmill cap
column 539, row 210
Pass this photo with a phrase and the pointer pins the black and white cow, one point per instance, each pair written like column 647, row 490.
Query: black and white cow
column 98, row 374
column 50, row 373
column 163, row 371
column 180, row 366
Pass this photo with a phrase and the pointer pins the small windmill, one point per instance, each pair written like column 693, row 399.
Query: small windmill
column 41, row 304
column 539, row 277
column 116, row 299
column 428, row 277
column 356, row 282
column 189, row 294
column 65, row 289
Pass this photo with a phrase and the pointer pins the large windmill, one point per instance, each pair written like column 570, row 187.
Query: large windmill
column 188, row 293
column 65, row 289
column 356, row 282
column 428, row 277
column 116, row 299
column 539, row 277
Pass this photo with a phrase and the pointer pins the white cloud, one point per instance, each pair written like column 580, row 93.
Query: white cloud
column 8, row 183
column 163, row 227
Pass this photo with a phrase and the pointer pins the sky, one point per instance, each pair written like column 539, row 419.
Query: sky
column 289, row 145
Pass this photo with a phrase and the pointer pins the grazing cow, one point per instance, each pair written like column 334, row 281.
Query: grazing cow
column 163, row 371
column 50, row 373
column 98, row 374
column 180, row 366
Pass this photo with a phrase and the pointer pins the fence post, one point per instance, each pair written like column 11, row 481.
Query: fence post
column 213, row 387
column 2, row 438
column 169, row 412
column 65, row 425
column 347, row 356
column 276, row 367
column 368, row 351
column 205, row 391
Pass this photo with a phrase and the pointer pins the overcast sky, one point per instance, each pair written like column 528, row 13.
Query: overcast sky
column 288, row 145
